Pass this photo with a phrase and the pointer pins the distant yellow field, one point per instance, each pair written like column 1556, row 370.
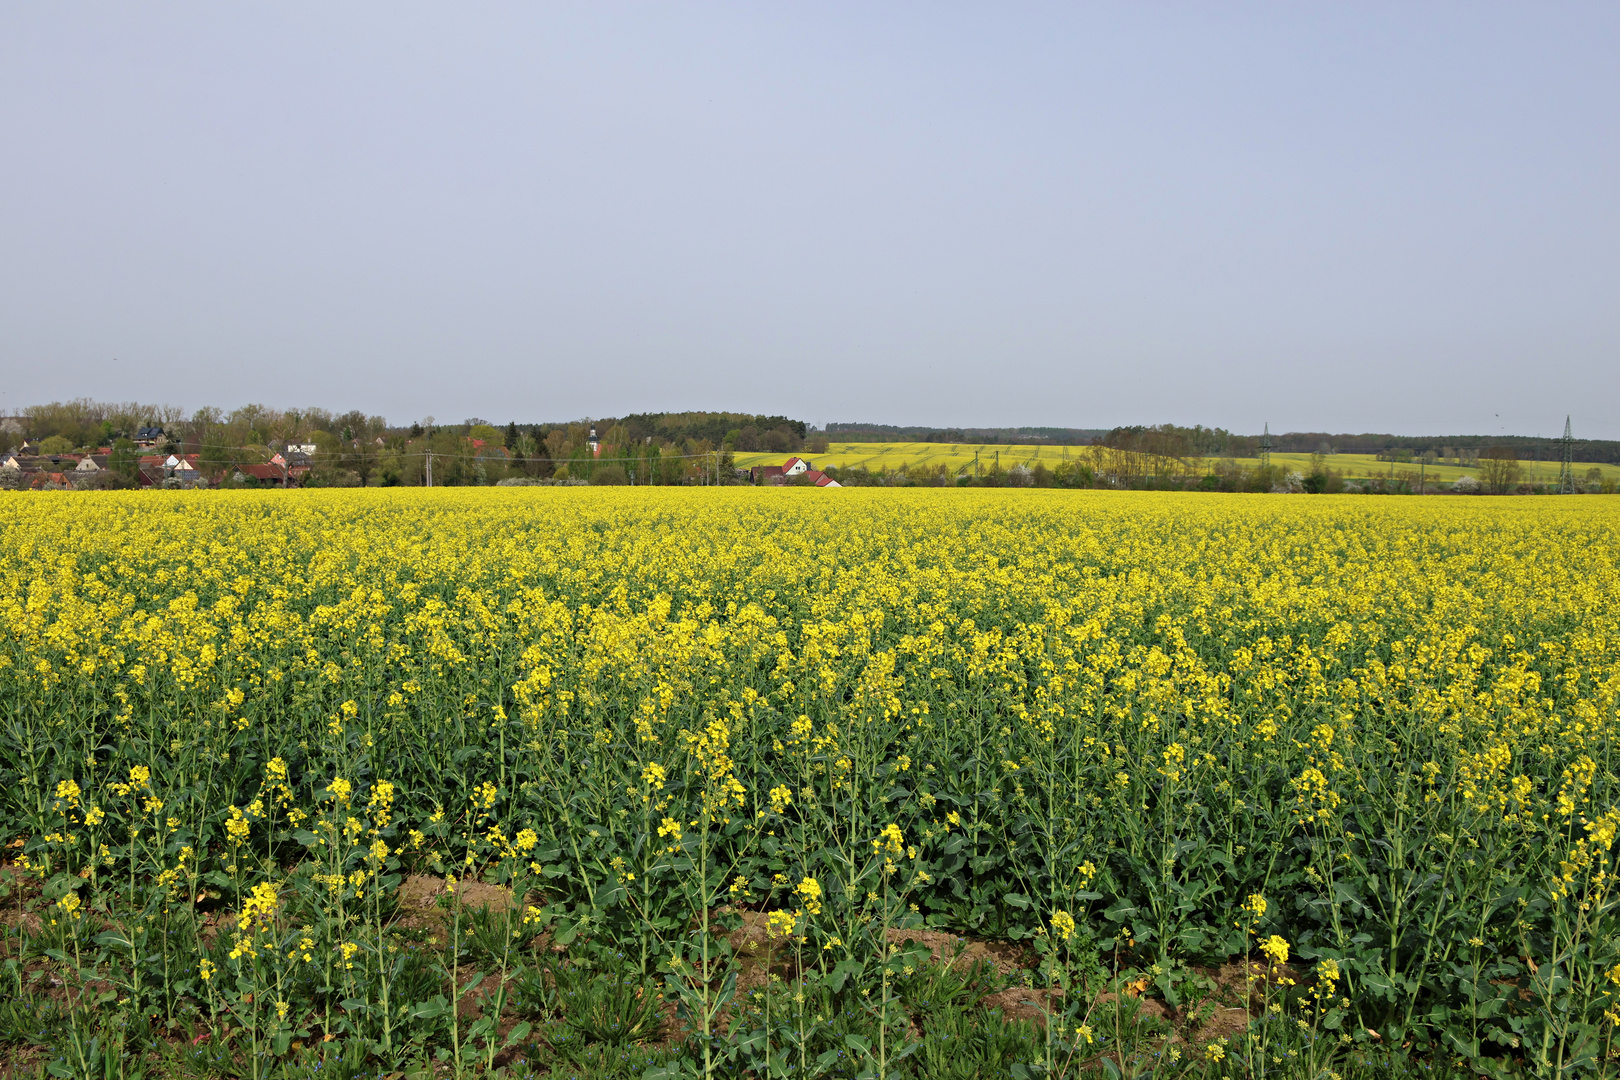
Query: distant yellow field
column 959, row 457
column 956, row 457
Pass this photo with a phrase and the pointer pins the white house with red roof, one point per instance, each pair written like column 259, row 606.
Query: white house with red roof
column 793, row 468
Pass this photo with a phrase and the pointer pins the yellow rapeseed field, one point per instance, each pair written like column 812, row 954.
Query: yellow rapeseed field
column 1366, row 743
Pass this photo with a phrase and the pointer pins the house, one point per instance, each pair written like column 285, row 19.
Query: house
column 92, row 463
column 820, row 479
column 290, row 469
column 155, row 469
column 293, row 457
column 149, row 436
column 271, row 474
column 794, row 469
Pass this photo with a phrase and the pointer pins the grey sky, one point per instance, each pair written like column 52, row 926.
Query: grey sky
column 1327, row 216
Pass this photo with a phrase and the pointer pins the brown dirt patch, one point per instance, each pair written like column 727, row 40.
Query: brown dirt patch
column 1006, row 957
column 1024, row 1003
column 419, row 896
column 757, row 953
column 423, row 891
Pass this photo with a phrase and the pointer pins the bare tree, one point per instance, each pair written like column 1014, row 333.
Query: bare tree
column 1498, row 469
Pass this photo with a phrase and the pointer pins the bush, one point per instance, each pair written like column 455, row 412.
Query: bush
column 1290, row 484
column 103, row 480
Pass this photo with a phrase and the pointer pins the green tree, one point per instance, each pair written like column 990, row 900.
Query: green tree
column 363, row 461
column 125, row 460
column 216, row 454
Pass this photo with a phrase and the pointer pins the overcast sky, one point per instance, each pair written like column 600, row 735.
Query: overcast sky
column 1400, row 217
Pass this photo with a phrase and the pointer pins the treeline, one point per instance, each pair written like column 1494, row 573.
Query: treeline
column 1173, row 441
column 351, row 449
column 1198, row 441
column 84, row 425
column 740, row 431
column 1387, row 447
column 687, row 448
column 1013, row 436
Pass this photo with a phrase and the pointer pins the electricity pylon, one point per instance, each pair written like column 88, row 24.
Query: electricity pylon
column 1265, row 448
column 1566, row 470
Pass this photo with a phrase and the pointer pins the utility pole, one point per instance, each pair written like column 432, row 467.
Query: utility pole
column 430, row 468
column 1566, row 469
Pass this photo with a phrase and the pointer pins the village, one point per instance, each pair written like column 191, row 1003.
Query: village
column 156, row 459
column 152, row 459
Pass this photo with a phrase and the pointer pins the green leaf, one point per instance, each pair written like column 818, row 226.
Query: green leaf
column 1119, row 913
column 841, row 972
column 431, row 1009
